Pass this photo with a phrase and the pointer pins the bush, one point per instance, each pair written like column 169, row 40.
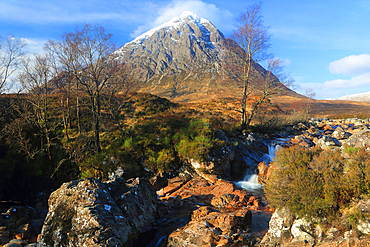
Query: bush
column 317, row 183
column 161, row 143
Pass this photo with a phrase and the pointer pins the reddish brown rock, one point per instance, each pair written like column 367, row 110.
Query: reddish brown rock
column 263, row 172
column 213, row 228
column 221, row 193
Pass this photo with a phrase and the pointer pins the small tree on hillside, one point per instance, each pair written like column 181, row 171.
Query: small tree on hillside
column 310, row 94
column 254, row 39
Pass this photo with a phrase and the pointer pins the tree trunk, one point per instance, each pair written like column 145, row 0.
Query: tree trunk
column 95, row 103
column 255, row 106
column 78, row 111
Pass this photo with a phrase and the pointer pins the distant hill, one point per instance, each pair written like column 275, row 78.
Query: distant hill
column 357, row 97
column 181, row 60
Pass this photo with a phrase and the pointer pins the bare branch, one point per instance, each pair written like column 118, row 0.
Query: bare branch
column 11, row 50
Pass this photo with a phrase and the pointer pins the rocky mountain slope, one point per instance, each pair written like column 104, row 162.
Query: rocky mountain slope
column 181, row 59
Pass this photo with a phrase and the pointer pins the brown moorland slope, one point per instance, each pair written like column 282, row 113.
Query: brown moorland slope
column 327, row 108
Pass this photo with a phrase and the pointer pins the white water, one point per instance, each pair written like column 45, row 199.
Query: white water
column 272, row 149
column 250, row 181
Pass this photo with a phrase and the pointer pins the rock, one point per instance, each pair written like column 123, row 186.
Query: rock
column 220, row 193
column 18, row 241
column 226, row 200
column 263, row 172
column 213, row 228
column 118, row 173
column 4, row 235
column 137, row 199
column 361, row 139
column 23, row 231
column 12, row 245
column 363, row 226
column 301, row 140
column 279, row 228
column 91, row 213
column 237, row 164
column 364, row 206
column 340, row 133
column 220, row 135
column 327, row 141
column 219, row 161
column 302, row 231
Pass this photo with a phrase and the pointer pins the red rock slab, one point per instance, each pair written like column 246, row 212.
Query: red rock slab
column 203, row 191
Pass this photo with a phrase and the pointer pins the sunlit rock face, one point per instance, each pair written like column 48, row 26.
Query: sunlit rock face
column 92, row 213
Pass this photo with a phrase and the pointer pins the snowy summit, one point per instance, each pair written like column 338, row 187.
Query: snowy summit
column 175, row 22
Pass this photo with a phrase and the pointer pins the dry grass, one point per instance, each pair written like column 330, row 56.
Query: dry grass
column 328, row 108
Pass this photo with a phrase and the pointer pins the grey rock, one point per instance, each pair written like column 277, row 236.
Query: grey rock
column 92, row 213
column 361, row 139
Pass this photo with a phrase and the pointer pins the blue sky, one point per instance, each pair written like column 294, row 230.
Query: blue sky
column 325, row 44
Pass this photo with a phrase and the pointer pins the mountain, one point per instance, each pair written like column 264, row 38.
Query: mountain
column 356, row 97
column 178, row 58
column 182, row 60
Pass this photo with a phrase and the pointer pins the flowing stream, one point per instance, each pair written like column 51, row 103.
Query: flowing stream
column 250, row 181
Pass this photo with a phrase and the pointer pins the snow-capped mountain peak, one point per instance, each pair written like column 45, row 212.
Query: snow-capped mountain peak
column 356, row 97
column 175, row 22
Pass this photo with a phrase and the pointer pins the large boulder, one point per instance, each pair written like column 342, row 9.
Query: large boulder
column 92, row 213
column 340, row 133
column 218, row 163
column 361, row 139
column 327, row 142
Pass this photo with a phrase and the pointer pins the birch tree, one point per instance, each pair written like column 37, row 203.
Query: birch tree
column 254, row 39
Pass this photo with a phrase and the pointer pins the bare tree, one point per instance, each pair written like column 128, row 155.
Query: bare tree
column 11, row 50
column 254, row 39
column 88, row 55
column 310, row 94
column 34, row 78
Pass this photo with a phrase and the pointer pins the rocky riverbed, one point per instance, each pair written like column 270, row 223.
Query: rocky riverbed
column 202, row 206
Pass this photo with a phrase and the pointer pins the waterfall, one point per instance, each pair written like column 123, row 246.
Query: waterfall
column 250, row 181
column 272, row 149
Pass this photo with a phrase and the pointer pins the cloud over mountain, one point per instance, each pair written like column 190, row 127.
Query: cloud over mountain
column 221, row 18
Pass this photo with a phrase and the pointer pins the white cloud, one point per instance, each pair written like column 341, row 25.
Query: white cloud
column 357, row 81
column 34, row 46
column 64, row 11
column 351, row 65
column 222, row 19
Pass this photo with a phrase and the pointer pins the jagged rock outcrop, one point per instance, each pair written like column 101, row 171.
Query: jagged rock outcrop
column 92, row 213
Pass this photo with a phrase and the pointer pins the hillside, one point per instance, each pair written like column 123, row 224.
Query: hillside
column 327, row 108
